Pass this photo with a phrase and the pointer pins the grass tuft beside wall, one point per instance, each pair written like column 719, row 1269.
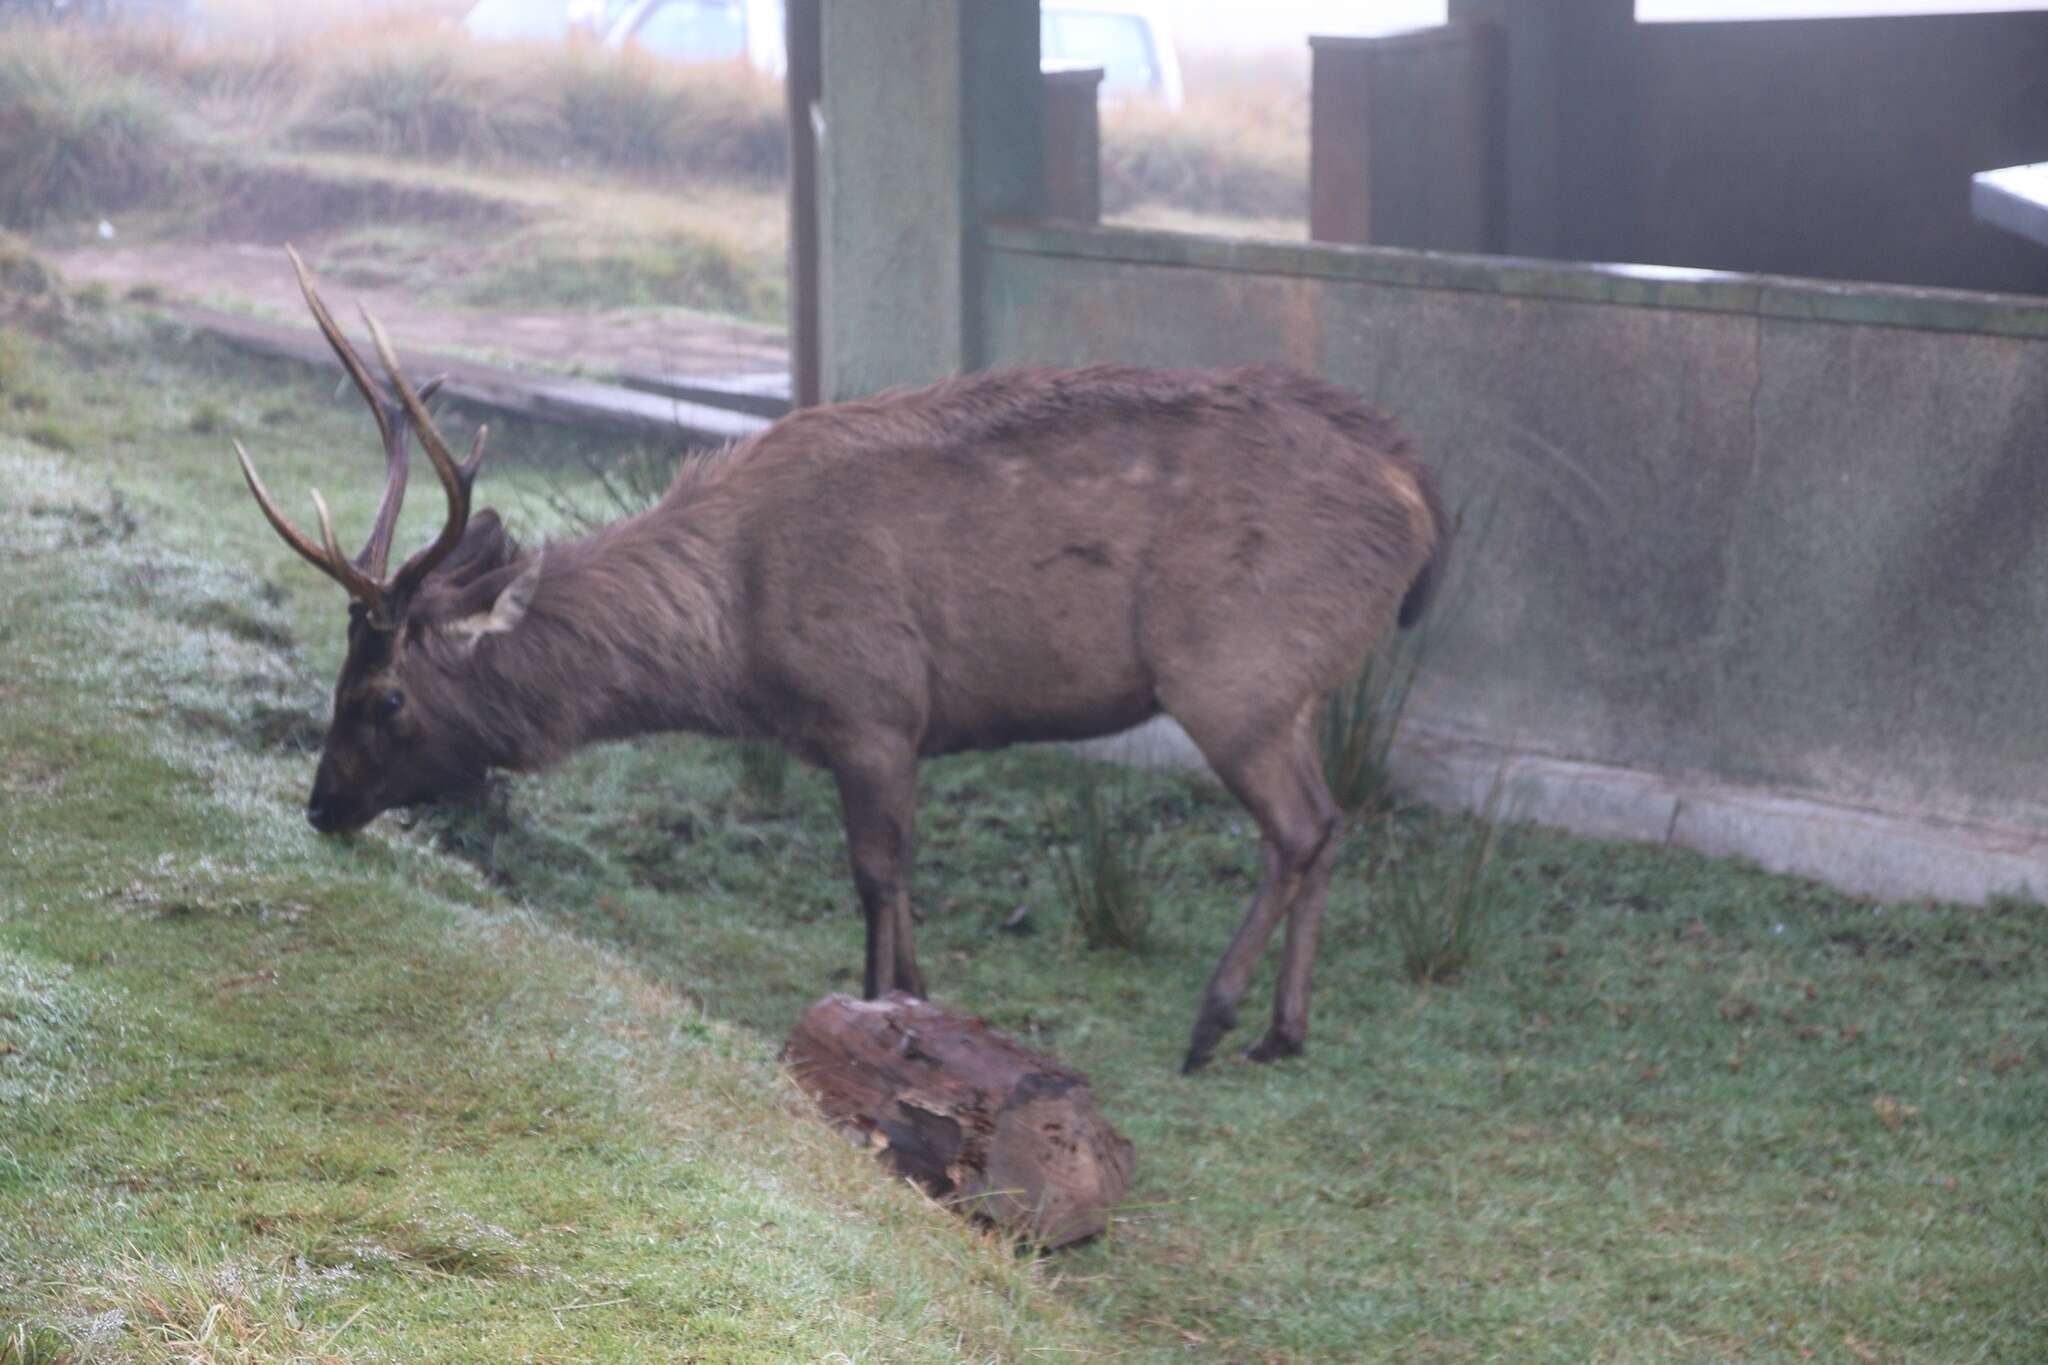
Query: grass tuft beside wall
column 77, row 138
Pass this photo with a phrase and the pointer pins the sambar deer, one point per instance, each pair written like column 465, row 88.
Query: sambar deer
column 1042, row 554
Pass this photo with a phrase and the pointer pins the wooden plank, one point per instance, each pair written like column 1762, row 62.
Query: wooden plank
column 764, row 393
column 556, row 399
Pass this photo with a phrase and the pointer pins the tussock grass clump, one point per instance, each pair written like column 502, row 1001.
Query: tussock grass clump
column 1100, row 863
column 84, row 113
column 1355, row 731
column 245, row 88
column 632, row 114
column 22, row 273
column 79, row 138
column 435, row 94
column 1442, row 926
column 419, row 94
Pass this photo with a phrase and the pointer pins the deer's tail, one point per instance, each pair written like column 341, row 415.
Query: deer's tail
column 1423, row 589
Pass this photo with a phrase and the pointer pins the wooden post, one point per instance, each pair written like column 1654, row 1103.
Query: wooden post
column 981, row 1122
column 803, row 86
column 1073, row 144
column 1407, row 139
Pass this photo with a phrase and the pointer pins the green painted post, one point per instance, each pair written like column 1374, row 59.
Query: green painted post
column 933, row 124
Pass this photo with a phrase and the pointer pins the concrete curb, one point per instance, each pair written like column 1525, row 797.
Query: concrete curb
column 542, row 398
column 1884, row 854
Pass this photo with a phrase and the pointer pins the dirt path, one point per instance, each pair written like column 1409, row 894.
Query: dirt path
column 258, row 278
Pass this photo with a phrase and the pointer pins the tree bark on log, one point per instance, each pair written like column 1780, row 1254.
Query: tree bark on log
column 984, row 1124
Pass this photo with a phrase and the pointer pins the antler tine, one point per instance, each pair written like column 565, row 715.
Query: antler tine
column 330, row 560
column 327, row 539
column 376, row 552
column 455, row 478
column 475, row 459
column 346, row 353
column 397, row 465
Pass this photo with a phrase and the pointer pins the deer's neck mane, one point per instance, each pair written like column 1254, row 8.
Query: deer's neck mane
column 628, row 633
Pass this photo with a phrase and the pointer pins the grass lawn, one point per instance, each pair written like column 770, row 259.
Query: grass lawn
column 497, row 1082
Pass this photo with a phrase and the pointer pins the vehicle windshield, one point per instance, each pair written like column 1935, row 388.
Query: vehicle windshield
column 694, row 30
column 539, row 20
column 517, row 20
column 1118, row 43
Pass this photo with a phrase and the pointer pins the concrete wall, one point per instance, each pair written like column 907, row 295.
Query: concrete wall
column 1839, row 148
column 1757, row 545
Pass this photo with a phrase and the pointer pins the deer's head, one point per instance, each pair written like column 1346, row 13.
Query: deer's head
column 405, row 726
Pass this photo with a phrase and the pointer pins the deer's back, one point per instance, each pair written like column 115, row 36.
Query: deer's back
column 1032, row 554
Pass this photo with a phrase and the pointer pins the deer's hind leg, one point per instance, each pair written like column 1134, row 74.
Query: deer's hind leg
column 1275, row 774
column 1289, row 1031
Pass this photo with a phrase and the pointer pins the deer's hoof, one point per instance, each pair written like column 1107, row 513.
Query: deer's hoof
column 1273, row 1047
column 1210, row 1025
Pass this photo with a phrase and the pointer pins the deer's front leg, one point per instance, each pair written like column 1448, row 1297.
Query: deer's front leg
column 878, row 803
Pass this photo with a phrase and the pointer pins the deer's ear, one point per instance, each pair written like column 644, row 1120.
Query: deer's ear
column 506, row 611
column 484, row 548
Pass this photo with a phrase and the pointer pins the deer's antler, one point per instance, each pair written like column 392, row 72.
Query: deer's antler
column 328, row 561
column 364, row 577
column 456, row 478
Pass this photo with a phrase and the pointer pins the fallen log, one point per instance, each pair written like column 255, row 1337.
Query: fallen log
column 982, row 1123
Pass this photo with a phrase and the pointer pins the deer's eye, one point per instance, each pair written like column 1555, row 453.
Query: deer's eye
column 386, row 706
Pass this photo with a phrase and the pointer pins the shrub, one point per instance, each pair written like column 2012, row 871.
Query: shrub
column 79, row 138
column 1099, row 858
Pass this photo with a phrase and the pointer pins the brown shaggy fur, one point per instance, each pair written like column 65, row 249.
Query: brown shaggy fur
column 1022, row 555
